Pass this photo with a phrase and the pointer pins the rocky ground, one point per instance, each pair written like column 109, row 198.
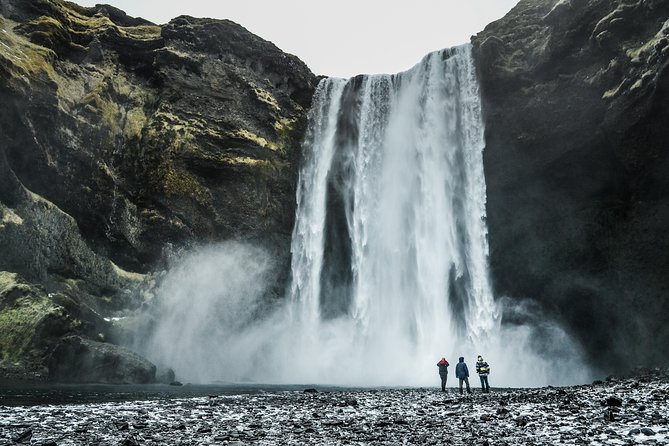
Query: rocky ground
column 616, row 412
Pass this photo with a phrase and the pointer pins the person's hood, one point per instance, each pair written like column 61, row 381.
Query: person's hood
column 443, row 361
column 462, row 359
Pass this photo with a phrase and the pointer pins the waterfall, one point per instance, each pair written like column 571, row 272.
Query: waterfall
column 390, row 244
column 389, row 256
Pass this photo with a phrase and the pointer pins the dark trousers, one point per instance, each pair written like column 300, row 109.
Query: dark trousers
column 484, row 383
column 443, row 381
column 466, row 381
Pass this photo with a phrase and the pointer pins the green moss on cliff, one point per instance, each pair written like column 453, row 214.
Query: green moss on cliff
column 177, row 182
column 255, row 139
column 99, row 23
column 24, row 59
column 267, row 98
column 135, row 121
column 23, row 309
column 287, row 130
column 111, row 101
column 8, row 217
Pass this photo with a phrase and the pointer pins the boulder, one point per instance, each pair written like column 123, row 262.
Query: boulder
column 30, row 321
column 79, row 360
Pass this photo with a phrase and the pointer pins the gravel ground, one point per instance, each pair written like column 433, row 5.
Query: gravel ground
column 618, row 412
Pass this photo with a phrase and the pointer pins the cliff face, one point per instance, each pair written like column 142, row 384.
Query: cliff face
column 120, row 137
column 576, row 101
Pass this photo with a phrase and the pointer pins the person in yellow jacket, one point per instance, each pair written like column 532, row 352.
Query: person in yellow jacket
column 483, row 369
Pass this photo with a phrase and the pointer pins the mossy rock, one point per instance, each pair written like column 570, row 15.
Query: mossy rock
column 28, row 317
column 80, row 360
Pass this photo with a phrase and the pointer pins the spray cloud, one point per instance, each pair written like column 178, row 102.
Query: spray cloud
column 389, row 266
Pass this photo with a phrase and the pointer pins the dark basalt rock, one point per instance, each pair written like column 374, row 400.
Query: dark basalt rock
column 575, row 97
column 122, row 139
column 78, row 360
column 32, row 321
column 24, row 437
column 613, row 401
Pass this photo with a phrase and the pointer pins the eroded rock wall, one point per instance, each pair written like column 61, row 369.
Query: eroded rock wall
column 121, row 138
column 577, row 168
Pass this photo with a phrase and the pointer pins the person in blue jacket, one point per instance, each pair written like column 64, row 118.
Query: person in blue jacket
column 462, row 373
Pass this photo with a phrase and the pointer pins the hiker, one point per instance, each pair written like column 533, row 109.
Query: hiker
column 462, row 373
column 483, row 369
column 443, row 372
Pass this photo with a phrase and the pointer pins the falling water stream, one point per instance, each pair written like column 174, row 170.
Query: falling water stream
column 390, row 240
column 389, row 254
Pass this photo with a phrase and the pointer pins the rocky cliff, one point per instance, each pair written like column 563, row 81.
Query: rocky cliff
column 576, row 99
column 121, row 138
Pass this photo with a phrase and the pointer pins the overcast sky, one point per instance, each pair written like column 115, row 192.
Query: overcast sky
column 340, row 38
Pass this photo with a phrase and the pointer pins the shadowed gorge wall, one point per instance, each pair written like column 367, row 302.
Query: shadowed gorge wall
column 575, row 103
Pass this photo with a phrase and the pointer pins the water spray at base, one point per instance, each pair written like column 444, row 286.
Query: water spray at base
column 389, row 254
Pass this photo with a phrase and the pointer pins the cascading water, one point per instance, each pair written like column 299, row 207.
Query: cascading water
column 389, row 266
column 389, row 247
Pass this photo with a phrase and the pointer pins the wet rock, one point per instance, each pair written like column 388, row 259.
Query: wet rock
column 647, row 431
column 310, row 390
column 349, row 402
column 129, row 441
column 613, row 401
column 176, row 383
column 121, row 425
column 24, row 437
column 76, row 359
column 165, row 376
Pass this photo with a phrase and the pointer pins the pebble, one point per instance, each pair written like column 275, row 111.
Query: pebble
column 569, row 415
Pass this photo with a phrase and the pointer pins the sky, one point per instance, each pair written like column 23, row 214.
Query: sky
column 341, row 38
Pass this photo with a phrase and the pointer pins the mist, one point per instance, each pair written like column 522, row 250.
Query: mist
column 389, row 268
column 213, row 324
column 205, row 310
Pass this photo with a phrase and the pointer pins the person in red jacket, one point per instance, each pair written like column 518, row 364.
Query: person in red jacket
column 443, row 372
